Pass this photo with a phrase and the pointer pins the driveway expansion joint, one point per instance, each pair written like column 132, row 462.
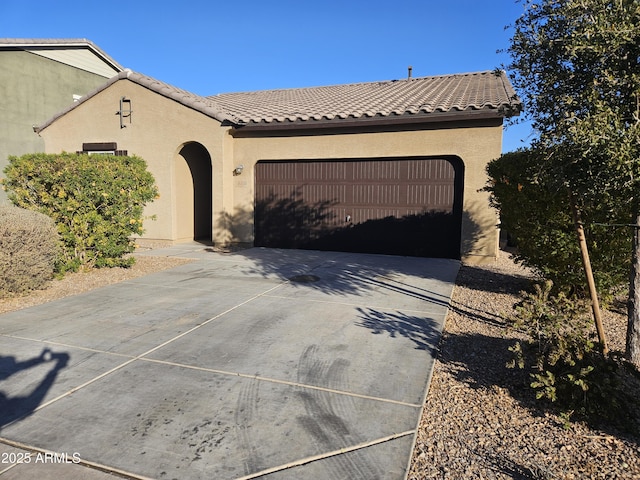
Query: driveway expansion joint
column 282, row 382
column 322, row 456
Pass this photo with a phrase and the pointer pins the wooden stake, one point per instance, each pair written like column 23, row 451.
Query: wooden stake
column 586, row 262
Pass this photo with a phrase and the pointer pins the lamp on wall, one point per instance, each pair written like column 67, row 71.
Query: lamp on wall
column 125, row 111
column 238, row 170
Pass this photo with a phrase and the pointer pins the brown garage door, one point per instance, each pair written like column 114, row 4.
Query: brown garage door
column 407, row 206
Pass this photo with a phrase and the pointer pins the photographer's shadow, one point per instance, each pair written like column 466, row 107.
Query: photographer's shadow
column 14, row 408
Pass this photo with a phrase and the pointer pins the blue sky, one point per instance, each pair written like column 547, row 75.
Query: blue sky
column 215, row 46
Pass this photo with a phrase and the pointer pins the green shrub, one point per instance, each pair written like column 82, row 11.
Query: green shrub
column 96, row 202
column 566, row 362
column 538, row 218
column 28, row 249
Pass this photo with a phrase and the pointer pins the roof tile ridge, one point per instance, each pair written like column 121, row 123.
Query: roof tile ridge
column 345, row 85
column 203, row 104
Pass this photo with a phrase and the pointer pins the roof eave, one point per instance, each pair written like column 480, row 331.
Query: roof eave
column 378, row 120
column 57, row 43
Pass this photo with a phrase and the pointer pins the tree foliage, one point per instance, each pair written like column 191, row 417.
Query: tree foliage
column 576, row 64
column 538, row 218
column 96, row 202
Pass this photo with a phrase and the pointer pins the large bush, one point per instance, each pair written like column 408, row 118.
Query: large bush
column 28, row 249
column 538, row 217
column 96, row 202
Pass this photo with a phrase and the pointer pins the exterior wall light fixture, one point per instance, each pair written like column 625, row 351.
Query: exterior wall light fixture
column 125, row 111
column 238, row 170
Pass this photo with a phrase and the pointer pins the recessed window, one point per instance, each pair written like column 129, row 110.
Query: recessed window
column 103, row 148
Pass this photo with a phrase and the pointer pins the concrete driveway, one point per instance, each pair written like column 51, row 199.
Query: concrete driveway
column 278, row 364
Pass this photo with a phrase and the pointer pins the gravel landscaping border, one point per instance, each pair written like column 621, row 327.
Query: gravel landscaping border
column 481, row 420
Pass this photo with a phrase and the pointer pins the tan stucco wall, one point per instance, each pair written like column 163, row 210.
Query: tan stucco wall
column 475, row 145
column 159, row 128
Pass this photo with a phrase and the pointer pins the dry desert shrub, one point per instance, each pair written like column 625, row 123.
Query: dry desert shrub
column 28, row 250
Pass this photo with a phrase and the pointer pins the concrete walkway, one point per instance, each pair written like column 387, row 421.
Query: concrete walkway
column 278, row 364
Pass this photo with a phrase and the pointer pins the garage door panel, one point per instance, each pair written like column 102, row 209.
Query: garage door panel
column 377, row 194
column 315, row 193
column 277, row 172
column 398, row 206
column 378, row 171
column 321, row 172
column 413, row 235
column 362, row 214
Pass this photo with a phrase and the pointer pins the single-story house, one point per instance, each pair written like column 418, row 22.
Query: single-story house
column 386, row 167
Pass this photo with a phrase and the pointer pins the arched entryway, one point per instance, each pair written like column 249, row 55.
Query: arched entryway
column 193, row 193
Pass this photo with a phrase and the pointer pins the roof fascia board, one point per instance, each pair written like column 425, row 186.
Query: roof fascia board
column 366, row 129
column 467, row 115
column 36, row 44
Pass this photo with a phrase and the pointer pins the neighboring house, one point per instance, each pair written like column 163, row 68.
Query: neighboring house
column 39, row 78
column 385, row 167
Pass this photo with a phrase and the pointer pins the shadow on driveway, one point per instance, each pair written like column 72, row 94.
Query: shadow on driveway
column 21, row 406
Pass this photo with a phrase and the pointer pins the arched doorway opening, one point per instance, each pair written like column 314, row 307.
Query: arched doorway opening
column 193, row 193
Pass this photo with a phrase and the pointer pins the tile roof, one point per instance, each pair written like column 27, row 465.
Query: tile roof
column 396, row 99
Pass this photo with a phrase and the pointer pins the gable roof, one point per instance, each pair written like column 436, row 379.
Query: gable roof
column 447, row 97
column 413, row 99
column 78, row 52
column 190, row 100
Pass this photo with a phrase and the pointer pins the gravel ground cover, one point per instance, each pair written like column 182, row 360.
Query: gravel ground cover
column 480, row 420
